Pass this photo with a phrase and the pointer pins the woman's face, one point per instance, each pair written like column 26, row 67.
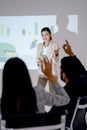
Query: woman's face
column 46, row 36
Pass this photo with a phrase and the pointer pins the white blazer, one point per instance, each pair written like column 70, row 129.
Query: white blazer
column 51, row 56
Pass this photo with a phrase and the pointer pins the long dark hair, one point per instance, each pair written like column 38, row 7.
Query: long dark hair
column 48, row 30
column 18, row 96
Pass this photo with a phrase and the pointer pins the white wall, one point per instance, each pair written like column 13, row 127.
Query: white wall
column 43, row 7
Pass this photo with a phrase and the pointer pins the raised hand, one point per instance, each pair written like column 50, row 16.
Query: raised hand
column 46, row 67
column 67, row 48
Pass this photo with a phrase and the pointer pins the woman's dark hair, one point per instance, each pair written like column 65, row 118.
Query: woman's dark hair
column 48, row 30
column 18, row 96
column 72, row 67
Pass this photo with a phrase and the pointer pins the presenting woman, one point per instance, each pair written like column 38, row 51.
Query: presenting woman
column 48, row 48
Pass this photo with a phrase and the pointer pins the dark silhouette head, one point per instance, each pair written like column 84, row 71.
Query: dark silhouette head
column 18, row 96
column 72, row 67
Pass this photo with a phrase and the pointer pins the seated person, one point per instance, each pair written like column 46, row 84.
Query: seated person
column 20, row 99
column 71, row 71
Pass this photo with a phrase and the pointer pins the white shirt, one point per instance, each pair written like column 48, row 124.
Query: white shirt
column 44, row 50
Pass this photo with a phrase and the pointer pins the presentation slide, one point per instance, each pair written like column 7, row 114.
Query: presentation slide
column 20, row 35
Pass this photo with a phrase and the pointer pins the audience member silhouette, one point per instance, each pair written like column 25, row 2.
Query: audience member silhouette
column 19, row 99
column 74, row 75
column 71, row 71
column 18, row 96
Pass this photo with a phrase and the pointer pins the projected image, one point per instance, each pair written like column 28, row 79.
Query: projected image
column 20, row 35
column 6, row 51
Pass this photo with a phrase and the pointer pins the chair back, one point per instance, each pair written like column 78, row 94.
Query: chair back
column 78, row 121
